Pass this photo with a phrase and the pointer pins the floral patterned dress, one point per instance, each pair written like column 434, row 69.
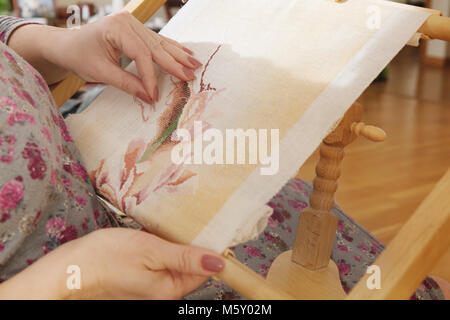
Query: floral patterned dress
column 46, row 198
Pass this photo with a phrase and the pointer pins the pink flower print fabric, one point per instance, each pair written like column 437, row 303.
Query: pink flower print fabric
column 46, row 198
column 10, row 195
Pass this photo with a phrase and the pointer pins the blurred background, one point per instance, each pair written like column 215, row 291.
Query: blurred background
column 381, row 184
column 55, row 12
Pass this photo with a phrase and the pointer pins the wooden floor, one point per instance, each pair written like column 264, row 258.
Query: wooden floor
column 383, row 183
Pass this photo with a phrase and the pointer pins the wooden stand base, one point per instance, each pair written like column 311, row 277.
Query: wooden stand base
column 304, row 284
column 247, row 282
column 306, row 272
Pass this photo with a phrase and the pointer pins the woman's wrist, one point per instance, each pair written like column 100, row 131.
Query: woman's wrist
column 42, row 47
column 55, row 48
column 35, row 282
column 49, row 277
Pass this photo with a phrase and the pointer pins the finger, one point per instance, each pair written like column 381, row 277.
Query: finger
column 181, row 56
column 177, row 44
column 189, row 282
column 144, row 65
column 170, row 284
column 180, row 284
column 184, row 259
column 169, row 64
column 160, row 56
column 125, row 81
column 186, row 283
column 135, row 48
column 127, row 42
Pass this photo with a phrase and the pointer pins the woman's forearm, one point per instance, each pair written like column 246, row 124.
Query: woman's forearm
column 37, row 45
column 44, row 279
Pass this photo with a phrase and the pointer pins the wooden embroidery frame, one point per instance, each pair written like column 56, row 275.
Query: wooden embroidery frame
column 306, row 272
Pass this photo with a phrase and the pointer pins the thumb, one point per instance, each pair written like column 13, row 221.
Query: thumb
column 127, row 82
column 188, row 259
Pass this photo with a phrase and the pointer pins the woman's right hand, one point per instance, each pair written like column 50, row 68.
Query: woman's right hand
column 116, row 263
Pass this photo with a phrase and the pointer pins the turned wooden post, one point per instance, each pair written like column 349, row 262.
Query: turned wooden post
column 317, row 225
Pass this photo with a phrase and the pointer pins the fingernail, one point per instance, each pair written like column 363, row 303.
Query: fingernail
column 187, row 50
column 194, row 62
column 212, row 263
column 156, row 94
column 188, row 73
column 144, row 97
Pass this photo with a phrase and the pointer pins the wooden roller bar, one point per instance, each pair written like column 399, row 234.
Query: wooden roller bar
column 436, row 27
column 248, row 283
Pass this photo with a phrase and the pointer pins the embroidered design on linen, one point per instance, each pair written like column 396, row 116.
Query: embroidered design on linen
column 144, row 107
column 138, row 178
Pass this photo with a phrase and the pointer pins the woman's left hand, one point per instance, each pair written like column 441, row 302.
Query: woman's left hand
column 93, row 51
